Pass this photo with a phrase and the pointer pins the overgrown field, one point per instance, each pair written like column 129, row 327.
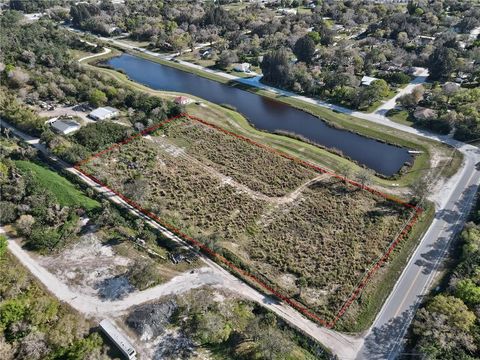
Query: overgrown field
column 308, row 234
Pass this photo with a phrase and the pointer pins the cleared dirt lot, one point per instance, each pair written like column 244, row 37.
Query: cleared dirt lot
column 308, row 234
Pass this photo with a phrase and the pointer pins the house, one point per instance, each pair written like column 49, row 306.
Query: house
column 103, row 113
column 338, row 27
column 182, row 100
column 64, row 127
column 461, row 77
column 33, row 17
column 422, row 113
column 243, row 67
column 367, row 80
column 424, row 40
column 287, row 11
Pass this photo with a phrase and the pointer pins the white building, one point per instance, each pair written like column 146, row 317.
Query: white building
column 103, row 113
column 367, row 80
column 243, row 67
column 118, row 339
column 65, row 127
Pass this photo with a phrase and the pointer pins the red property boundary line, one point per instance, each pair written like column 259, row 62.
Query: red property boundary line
column 356, row 292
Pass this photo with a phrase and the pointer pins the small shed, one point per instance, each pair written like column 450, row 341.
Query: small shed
column 367, row 80
column 65, row 127
column 182, row 100
column 103, row 113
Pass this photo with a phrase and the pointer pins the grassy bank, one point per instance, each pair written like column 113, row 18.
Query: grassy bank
column 343, row 121
column 65, row 192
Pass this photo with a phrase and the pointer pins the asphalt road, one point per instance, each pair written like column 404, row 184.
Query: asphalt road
column 385, row 339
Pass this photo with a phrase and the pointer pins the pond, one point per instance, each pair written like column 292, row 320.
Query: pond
column 266, row 114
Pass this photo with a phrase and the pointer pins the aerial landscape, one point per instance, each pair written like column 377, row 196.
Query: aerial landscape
column 262, row 179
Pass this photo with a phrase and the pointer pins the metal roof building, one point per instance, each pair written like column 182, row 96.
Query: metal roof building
column 103, row 113
column 118, row 339
column 65, row 127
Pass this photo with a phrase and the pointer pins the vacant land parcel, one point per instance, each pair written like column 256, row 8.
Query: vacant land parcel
column 304, row 232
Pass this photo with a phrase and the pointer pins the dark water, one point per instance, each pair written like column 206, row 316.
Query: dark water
column 266, row 114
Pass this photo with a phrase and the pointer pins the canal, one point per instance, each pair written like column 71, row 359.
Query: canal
column 266, row 114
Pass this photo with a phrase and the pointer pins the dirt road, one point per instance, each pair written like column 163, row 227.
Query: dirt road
column 344, row 346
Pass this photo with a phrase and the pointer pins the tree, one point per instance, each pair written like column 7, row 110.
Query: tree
column 17, row 78
column 226, row 59
column 444, row 325
column 24, row 224
column 442, row 62
column 97, row 98
column 272, row 344
column 304, row 49
column 458, row 315
column 364, row 177
column 211, row 328
column 43, row 239
column 379, row 89
column 33, row 347
column 276, row 67
column 315, row 36
column 301, row 284
column 420, row 188
column 410, row 101
column 8, row 212
column 345, row 171
column 468, row 291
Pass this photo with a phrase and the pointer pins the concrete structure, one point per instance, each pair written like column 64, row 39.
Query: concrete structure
column 103, row 113
column 64, row 127
column 367, row 80
column 118, row 339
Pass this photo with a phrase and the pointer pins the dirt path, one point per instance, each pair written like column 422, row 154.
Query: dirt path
column 344, row 346
column 176, row 151
column 214, row 276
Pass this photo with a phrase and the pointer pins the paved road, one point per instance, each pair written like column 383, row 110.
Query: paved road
column 385, row 339
column 342, row 345
column 421, row 76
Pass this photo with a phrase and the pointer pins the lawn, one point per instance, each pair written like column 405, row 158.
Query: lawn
column 301, row 231
column 65, row 192
column 400, row 116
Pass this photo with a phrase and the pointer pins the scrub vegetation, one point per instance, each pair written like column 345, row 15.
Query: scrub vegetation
column 307, row 234
column 216, row 324
column 34, row 325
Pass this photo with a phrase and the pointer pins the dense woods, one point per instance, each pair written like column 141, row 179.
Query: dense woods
column 38, row 66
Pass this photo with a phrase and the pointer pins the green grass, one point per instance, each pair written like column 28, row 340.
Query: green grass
column 65, row 192
column 400, row 116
